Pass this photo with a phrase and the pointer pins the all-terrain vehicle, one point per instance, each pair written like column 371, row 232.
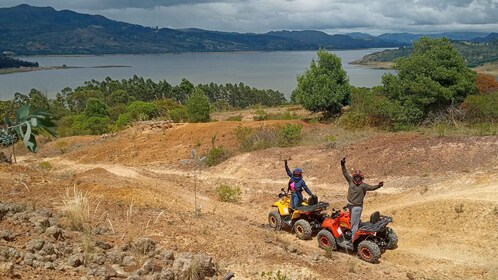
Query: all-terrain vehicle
column 370, row 241
column 303, row 221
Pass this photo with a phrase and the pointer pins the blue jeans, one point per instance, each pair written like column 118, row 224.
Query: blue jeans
column 295, row 200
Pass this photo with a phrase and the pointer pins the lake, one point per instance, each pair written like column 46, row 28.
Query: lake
column 268, row 70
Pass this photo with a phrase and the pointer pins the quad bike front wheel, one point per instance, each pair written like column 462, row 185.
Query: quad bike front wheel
column 302, row 228
column 392, row 238
column 275, row 220
column 326, row 240
column 369, row 251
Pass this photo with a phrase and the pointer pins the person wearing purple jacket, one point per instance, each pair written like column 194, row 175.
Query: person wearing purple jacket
column 357, row 190
column 296, row 186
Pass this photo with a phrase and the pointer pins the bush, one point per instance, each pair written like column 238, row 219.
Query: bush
column 142, row 111
column 178, row 115
column 260, row 115
column 482, row 108
column 290, row 134
column 228, row 193
column 216, row 155
column 198, row 107
column 124, row 120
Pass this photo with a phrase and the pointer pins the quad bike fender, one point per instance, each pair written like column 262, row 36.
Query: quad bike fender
column 333, row 226
column 283, row 208
column 362, row 235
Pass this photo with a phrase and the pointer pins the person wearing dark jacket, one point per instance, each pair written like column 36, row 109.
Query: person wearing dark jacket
column 296, row 186
column 356, row 193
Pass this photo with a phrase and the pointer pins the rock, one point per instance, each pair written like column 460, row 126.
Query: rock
column 201, row 264
column 129, row 260
column 34, row 245
column 114, row 256
column 105, row 272
column 167, row 274
column 167, row 256
column 7, row 235
column 75, row 260
column 49, row 265
column 103, row 245
column 145, row 245
column 410, row 276
column 99, row 258
column 291, row 248
column 28, row 259
column 48, row 249
column 120, row 272
column 8, row 254
column 7, row 269
column 148, row 267
column 54, row 231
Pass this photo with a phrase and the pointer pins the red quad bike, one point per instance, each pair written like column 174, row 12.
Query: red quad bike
column 370, row 241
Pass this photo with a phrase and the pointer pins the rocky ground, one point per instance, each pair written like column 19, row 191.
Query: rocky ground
column 150, row 214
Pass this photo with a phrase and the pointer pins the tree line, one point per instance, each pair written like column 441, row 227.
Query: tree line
column 9, row 62
column 102, row 106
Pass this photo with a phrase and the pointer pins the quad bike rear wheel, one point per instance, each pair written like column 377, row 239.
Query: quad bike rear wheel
column 275, row 220
column 326, row 240
column 369, row 251
column 392, row 239
column 303, row 229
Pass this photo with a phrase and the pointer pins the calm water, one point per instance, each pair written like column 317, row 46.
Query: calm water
column 270, row 70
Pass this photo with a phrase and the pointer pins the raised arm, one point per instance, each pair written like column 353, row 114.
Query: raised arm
column 289, row 173
column 373, row 188
column 345, row 171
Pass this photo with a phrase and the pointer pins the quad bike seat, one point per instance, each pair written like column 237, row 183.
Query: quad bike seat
column 377, row 223
column 315, row 207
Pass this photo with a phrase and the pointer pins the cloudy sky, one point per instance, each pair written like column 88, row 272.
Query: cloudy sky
column 331, row 16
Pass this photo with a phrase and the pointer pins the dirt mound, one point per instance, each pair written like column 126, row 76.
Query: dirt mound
column 440, row 191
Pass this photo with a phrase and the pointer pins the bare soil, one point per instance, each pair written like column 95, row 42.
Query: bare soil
column 441, row 192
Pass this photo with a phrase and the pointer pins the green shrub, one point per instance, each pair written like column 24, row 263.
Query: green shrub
column 216, row 155
column 198, row 107
column 260, row 115
column 290, row 134
column 97, row 125
column 124, row 120
column 142, row 111
column 178, row 115
column 482, row 108
column 237, row 118
column 228, row 193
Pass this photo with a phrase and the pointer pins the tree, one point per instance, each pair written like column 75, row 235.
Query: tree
column 96, row 108
column 182, row 92
column 198, row 107
column 486, row 83
column 324, row 87
column 432, row 78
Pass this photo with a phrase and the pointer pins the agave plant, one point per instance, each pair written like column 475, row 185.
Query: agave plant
column 26, row 126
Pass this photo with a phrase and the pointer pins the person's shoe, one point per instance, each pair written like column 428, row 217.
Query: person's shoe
column 347, row 244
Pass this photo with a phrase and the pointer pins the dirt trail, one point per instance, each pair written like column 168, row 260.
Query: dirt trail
column 441, row 193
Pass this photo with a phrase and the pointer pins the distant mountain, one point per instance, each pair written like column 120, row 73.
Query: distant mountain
column 28, row 30
column 410, row 37
column 337, row 41
column 492, row 37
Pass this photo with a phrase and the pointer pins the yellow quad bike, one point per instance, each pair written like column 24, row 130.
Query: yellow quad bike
column 303, row 221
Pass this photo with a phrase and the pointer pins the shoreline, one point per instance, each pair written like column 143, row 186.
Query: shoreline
column 6, row 71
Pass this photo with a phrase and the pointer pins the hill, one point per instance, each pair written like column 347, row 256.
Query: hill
column 35, row 30
column 140, row 182
column 408, row 38
column 337, row 41
column 475, row 54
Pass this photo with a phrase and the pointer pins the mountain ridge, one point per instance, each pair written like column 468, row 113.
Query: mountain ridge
column 30, row 30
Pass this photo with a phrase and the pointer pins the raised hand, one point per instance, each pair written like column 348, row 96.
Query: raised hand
column 343, row 161
column 381, row 183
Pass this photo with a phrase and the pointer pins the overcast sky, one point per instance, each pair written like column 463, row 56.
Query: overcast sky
column 331, row 16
